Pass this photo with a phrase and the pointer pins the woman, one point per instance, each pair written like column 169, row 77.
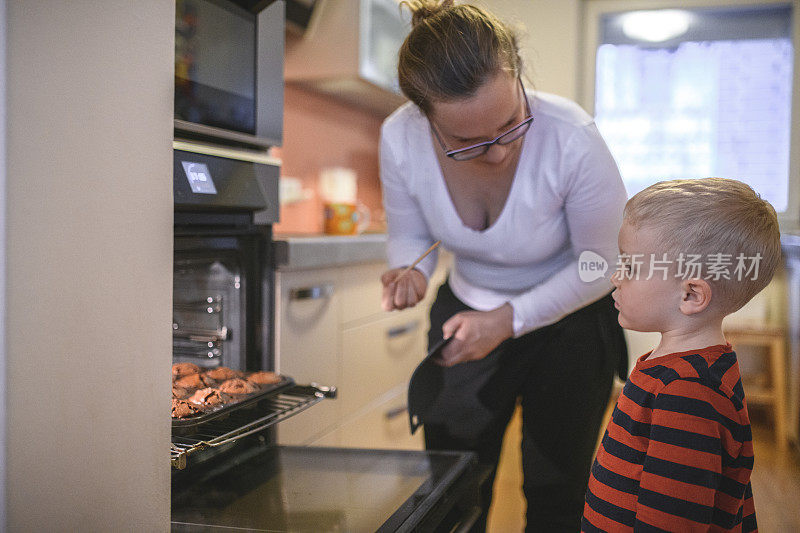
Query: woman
column 516, row 185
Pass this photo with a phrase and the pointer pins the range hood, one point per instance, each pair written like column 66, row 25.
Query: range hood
column 298, row 15
column 349, row 51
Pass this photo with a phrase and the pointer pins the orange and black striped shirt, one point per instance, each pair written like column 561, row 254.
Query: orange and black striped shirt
column 678, row 451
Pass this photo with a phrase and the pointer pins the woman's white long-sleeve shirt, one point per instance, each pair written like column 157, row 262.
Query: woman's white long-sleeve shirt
column 566, row 197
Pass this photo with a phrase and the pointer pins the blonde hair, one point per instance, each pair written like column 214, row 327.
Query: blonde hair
column 710, row 216
column 452, row 50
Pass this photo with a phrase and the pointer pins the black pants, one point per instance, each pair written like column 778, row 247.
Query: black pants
column 562, row 376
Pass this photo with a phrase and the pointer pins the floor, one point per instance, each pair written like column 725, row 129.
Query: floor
column 776, row 482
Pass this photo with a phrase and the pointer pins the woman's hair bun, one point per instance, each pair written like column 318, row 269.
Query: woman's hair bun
column 423, row 9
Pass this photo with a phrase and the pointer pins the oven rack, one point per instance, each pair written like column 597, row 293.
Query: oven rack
column 267, row 412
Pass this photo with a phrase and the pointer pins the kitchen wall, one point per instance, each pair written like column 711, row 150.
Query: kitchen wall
column 88, row 256
column 549, row 38
column 322, row 132
column 3, row 358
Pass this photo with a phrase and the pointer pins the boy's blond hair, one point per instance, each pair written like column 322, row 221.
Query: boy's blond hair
column 712, row 216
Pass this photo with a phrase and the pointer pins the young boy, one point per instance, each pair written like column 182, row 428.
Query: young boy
column 677, row 454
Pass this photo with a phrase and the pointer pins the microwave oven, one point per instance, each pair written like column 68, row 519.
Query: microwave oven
column 229, row 71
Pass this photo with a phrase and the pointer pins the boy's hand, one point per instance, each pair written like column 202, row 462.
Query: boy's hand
column 476, row 333
column 404, row 293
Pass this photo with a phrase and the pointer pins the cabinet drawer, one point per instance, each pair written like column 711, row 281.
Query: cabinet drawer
column 361, row 288
column 380, row 355
column 306, row 338
column 383, row 426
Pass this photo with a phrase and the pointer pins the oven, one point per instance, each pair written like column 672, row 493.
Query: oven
column 228, row 473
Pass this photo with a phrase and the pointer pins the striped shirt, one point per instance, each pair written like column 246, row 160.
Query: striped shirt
column 678, row 452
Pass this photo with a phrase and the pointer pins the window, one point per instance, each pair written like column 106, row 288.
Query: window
column 713, row 98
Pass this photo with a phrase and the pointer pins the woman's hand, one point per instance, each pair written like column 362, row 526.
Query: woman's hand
column 476, row 333
column 404, row 293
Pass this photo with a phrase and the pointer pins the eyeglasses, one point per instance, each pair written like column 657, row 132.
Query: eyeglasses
column 508, row 137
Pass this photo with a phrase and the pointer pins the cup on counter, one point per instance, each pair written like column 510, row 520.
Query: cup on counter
column 345, row 218
column 338, row 185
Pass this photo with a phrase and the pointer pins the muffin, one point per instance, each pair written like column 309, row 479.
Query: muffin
column 195, row 381
column 209, row 397
column 180, row 370
column 184, row 408
column 179, row 393
column 222, row 373
column 237, row 386
column 263, row 379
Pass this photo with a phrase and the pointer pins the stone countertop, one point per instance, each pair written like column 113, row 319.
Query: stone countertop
column 297, row 252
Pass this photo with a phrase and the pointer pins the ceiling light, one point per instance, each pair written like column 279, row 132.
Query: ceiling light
column 655, row 26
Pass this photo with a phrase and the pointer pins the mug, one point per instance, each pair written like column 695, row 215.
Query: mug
column 346, row 218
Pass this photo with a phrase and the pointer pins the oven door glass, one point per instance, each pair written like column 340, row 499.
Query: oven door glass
column 207, row 312
column 324, row 489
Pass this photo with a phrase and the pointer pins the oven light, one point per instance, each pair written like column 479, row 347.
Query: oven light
column 655, row 26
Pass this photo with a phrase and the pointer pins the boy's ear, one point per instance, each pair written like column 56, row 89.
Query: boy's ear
column 695, row 296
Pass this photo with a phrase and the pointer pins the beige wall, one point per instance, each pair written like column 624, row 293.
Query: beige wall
column 550, row 40
column 3, row 388
column 89, row 275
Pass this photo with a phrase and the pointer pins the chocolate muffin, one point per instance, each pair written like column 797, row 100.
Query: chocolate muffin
column 209, row 397
column 195, row 381
column 222, row 373
column 237, row 386
column 180, row 370
column 184, row 408
column 262, row 379
column 179, row 392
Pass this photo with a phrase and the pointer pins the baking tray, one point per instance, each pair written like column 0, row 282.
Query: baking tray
column 186, row 426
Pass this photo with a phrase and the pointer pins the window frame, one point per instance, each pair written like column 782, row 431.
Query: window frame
column 594, row 10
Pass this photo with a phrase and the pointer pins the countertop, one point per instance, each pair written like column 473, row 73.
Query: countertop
column 296, row 252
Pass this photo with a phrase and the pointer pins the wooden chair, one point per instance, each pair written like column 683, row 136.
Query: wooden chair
column 773, row 393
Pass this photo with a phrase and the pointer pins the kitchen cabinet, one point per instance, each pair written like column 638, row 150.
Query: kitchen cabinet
column 382, row 424
column 306, row 337
column 332, row 330
column 350, row 52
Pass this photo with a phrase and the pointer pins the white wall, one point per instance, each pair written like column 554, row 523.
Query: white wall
column 89, row 264
column 3, row 387
column 550, row 40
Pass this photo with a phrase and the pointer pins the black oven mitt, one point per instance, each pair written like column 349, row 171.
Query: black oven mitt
column 426, row 383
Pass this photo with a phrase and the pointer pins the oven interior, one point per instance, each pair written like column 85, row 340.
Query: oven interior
column 207, row 311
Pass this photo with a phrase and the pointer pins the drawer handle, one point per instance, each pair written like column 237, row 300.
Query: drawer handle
column 311, row 293
column 394, row 412
column 402, row 330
